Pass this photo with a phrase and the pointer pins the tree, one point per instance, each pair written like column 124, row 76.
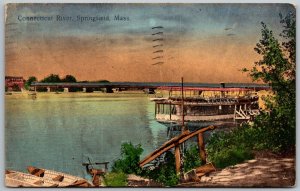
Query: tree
column 278, row 69
column 29, row 81
column 103, row 81
column 69, row 78
column 52, row 78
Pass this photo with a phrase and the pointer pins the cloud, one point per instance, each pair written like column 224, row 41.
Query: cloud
column 195, row 42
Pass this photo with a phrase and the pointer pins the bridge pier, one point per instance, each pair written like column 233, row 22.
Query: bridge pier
column 109, row 90
column 48, row 89
column 66, row 90
column 84, row 90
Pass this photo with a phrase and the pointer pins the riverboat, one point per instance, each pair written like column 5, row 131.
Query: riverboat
column 206, row 105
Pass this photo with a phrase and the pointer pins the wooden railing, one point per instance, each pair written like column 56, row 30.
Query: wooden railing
column 175, row 142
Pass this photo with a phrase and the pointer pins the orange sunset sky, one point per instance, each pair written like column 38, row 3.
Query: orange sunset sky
column 201, row 42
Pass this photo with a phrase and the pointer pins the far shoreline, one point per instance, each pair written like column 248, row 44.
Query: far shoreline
column 26, row 94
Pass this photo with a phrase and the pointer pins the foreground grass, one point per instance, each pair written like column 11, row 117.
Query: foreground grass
column 115, row 179
column 233, row 147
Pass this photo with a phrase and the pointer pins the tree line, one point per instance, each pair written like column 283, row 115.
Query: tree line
column 55, row 78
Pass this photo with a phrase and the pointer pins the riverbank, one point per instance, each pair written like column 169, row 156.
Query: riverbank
column 265, row 170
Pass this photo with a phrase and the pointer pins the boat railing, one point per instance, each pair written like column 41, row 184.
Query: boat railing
column 211, row 100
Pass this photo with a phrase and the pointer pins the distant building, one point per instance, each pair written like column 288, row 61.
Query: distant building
column 14, row 83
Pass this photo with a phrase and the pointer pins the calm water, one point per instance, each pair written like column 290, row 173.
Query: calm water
column 60, row 133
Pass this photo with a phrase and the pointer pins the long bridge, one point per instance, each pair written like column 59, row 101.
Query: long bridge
column 143, row 85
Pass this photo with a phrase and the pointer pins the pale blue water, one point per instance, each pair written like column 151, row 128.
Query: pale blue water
column 60, row 133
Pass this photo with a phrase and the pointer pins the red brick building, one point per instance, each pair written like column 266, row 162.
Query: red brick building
column 13, row 83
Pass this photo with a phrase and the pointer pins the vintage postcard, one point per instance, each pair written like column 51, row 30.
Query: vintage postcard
column 150, row 95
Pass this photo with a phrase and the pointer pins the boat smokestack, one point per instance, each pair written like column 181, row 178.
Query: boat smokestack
column 222, row 86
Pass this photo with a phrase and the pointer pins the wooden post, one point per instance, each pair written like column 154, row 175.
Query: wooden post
column 177, row 158
column 201, row 147
column 182, row 106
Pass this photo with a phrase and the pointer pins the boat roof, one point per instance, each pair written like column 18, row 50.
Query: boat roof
column 172, row 88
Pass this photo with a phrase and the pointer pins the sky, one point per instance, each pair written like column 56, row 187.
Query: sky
column 206, row 43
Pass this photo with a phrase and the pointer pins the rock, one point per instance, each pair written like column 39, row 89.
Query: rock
column 206, row 179
column 191, row 176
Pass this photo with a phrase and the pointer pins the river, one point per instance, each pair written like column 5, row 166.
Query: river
column 60, row 132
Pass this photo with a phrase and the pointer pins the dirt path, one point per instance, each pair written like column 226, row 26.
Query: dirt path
column 263, row 171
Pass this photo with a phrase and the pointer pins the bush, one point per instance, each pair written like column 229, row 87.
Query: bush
column 192, row 158
column 130, row 158
column 266, row 133
column 229, row 148
column 231, row 156
column 275, row 132
column 129, row 163
column 116, row 179
column 165, row 172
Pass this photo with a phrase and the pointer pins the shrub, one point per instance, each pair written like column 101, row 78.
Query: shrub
column 275, row 131
column 229, row 148
column 231, row 156
column 129, row 163
column 191, row 158
column 116, row 179
column 130, row 157
column 165, row 172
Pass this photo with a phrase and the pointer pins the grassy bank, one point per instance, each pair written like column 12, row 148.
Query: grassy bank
column 115, row 179
column 233, row 147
